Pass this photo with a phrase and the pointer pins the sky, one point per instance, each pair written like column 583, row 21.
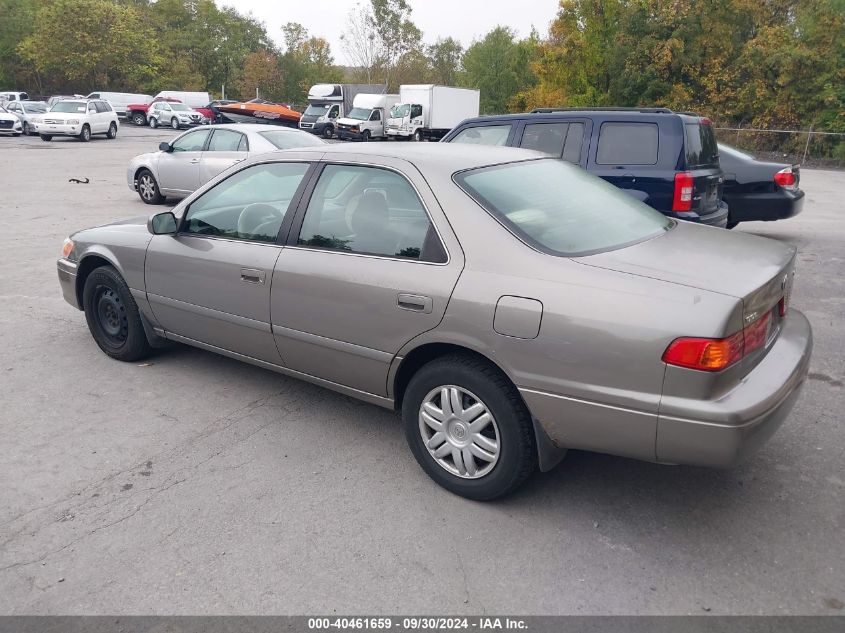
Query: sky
column 464, row 20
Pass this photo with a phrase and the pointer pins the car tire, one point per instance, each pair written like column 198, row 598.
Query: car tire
column 509, row 428
column 138, row 118
column 328, row 131
column 148, row 189
column 418, row 137
column 174, row 123
column 16, row 133
column 365, row 136
column 113, row 316
column 46, row 137
column 26, row 131
column 85, row 134
column 112, row 133
column 153, row 122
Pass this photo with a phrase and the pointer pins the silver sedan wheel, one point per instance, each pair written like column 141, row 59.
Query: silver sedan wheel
column 146, row 187
column 459, row 432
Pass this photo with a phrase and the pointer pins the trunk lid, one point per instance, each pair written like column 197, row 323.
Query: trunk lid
column 754, row 269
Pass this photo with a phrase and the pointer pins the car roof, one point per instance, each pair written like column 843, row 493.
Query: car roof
column 598, row 113
column 254, row 127
column 447, row 157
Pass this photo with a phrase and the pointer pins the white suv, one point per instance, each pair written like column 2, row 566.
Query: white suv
column 176, row 115
column 77, row 117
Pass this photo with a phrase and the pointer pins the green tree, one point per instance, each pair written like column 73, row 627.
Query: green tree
column 306, row 61
column 17, row 19
column 110, row 46
column 398, row 35
column 445, row 58
column 499, row 66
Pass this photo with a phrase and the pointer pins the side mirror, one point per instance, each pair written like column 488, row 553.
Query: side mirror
column 164, row 146
column 162, row 223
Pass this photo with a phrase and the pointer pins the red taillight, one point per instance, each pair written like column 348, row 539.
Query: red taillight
column 705, row 121
column 682, row 200
column 785, row 178
column 709, row 354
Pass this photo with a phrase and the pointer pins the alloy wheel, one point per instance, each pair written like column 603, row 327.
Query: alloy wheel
column 146, row 187
column 459, row 432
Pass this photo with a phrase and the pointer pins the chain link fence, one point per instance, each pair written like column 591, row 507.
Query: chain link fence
column 811, row 148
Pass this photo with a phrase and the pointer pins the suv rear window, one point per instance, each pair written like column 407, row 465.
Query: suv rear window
column 627, row 144
column 701, row 145
column 561, row 209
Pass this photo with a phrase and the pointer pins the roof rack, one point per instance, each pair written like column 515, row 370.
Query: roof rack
column 644, row 110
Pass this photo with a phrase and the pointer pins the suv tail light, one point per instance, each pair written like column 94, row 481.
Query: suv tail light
column 786, row 178
column 712, row 354
column 682, row 199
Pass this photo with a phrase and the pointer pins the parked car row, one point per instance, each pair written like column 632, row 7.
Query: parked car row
column 508, row 304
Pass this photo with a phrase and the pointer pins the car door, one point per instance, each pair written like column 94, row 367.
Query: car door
column 224, row 149
column 92, row 118
column 179, row 169
column 210, row 282
column 370, row 264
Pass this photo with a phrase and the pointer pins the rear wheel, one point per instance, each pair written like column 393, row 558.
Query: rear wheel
column 46, row 137
column 113, row 317
column 138, row 118
column 85, row 134
column 148, row 188
column 112, row 133
column 468, row 428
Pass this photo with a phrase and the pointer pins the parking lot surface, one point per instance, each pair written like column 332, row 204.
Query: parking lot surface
column 193, row 483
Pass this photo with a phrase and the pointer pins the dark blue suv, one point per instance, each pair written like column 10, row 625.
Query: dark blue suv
column 667, row 159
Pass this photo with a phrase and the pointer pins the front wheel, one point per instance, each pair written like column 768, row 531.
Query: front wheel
column 174, row 123
column 153, row 122
column 112, row 133
column 328, row 131
column 113, row 317
column 468, row 428
column 148, row 188
column 85, row 134
column 139, row 119
column 365, row 136
column 418, row 137
column 26, row 130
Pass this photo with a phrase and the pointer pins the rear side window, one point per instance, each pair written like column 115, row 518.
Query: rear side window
column 701, row 145
column 484, row 135
column 225, row 141
column 627, row 144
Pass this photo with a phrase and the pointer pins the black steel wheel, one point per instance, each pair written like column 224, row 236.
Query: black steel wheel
column 113, row 317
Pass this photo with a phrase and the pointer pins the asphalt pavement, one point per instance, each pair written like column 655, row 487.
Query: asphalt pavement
column 193, row 483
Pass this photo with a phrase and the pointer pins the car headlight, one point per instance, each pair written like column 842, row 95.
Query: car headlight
column 67, row 248
column 73, row 121
column 37, row 119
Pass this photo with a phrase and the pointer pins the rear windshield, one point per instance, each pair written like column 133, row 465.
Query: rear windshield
column 701, row 145
column 291, row 139
column 560, row 208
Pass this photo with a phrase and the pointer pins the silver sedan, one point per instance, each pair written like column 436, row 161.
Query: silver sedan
column 195, row 157
column 27, row 111
column 510, row 305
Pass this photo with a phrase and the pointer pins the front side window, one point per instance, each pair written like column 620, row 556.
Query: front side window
column 333, row 112
column 370, row 211
column 250, row 205
column 191, row 142
column 559, row 208
column 484, row 135
column 225, row 141
column 627, row 144
column 416, row 111
column 545, row 137
column 376, row 116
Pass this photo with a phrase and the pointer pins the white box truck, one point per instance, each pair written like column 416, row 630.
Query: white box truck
column 368, row 117
column 427, row 112
column 329, row 102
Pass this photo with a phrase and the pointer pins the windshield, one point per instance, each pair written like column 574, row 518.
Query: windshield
column 180, row 107
column 69, row 106
column 34, row 106
column 399, row 111
column 558, row 207
column 362, row 114
column 317, row 109
column 288, row 139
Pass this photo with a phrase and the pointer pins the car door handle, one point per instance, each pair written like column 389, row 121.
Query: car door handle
column 414, row 303
column 195, row 160
column 252, row 275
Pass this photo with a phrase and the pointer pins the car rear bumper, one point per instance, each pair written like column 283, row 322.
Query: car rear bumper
column 67, row 281
column 765, row 207
column 724, row 431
